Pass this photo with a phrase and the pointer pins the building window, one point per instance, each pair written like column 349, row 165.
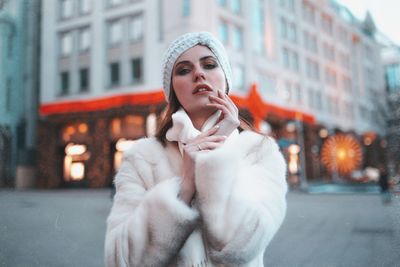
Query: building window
column 236, row 6
column 346, row 84
column 343, row 35
column 84, row 39
column 238, row 81
column 223, row 32
column 8, row 94
column 85, row 6
column 84, row 79
column 295, row 61
column 329, row 52
column 290, row 59
column 287, row 93
column 283, row 27
column 288, row 30
column 311, row 98
column 312, row 69
column 10, row 45
column 285, row 58
column 237, row 38
column 308, row 11
column 318, row 100
column 136, row 28
column 298, row 94
column 221, row 2
column 257, row 23
column 115, row 2
column 289, row 4
column 292, row 32
column 330, row 76
column 185, row 8
column 114, row 74
column 310, row 42
column 64, row 82
column 393, row 78
column 344, row 60
column 66, row 44
column 136, row 70
column 327, row 25
column 66, row 9
column 115, row 32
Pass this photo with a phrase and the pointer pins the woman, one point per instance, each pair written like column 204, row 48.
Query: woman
column 199, row 193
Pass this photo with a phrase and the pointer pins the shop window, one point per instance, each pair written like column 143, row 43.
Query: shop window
column 121, row 146
column 129, row 127
column 151, row 124
column 74, row 162
column 77, row 132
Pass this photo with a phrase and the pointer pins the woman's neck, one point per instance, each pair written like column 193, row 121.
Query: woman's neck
column 198, row 119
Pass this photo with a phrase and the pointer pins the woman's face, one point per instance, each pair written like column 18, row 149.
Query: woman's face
column 197, row 75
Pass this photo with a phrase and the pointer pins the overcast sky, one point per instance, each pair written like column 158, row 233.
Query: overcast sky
column 386, row 14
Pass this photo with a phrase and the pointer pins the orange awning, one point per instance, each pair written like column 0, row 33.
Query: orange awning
column 253, row 103
column 87, row 105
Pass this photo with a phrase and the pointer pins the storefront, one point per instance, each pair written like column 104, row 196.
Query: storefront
column 81, row 143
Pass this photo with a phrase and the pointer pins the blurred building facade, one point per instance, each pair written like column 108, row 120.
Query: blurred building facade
column 19, row 85
column 391, row 59
column 303, row 71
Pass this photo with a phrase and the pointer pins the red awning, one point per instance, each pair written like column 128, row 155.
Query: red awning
column 252, row 102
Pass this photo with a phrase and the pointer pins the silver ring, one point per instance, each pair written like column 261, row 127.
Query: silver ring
column 199, row 147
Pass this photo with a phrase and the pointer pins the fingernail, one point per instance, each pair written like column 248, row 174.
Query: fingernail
column 216, row 126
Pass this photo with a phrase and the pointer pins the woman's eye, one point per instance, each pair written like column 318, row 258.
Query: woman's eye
column 183, row 71
column 209, row 66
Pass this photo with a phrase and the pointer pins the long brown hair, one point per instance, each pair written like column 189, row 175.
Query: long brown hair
column 166, row 117
column 172, row 107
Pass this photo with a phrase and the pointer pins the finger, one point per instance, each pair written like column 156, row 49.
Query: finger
column 231, row 101
column 223, row 108
column 208, row 146
column 209, row 132
column 212, row 138
column 223, row 101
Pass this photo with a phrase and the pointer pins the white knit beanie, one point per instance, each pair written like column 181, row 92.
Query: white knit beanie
column 186, row 41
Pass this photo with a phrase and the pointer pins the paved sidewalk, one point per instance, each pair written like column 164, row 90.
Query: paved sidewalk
column 337, row 230
column 66, row 228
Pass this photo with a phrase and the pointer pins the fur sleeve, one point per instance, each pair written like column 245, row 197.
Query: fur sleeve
column 241, row 191
column 146, row 226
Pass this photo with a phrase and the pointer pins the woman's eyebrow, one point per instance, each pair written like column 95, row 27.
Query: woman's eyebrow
column 207, row 57
column 189, row 62
column 183, row 62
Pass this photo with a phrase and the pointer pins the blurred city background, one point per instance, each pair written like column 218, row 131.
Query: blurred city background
column 80, row 81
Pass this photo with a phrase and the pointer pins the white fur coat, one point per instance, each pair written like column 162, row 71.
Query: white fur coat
column 239, row 205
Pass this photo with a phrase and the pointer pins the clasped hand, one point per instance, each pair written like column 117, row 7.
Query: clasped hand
column 209, row 140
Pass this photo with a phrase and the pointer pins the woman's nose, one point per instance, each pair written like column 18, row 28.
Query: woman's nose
column 198, row 74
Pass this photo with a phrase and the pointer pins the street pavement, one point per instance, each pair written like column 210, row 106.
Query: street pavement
column 66, row 228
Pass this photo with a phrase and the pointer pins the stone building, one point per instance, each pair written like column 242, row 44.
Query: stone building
column 19, row 91
column 303, row 71
column 391, row 59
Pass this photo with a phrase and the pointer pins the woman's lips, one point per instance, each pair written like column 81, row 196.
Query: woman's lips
column 202, row 89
